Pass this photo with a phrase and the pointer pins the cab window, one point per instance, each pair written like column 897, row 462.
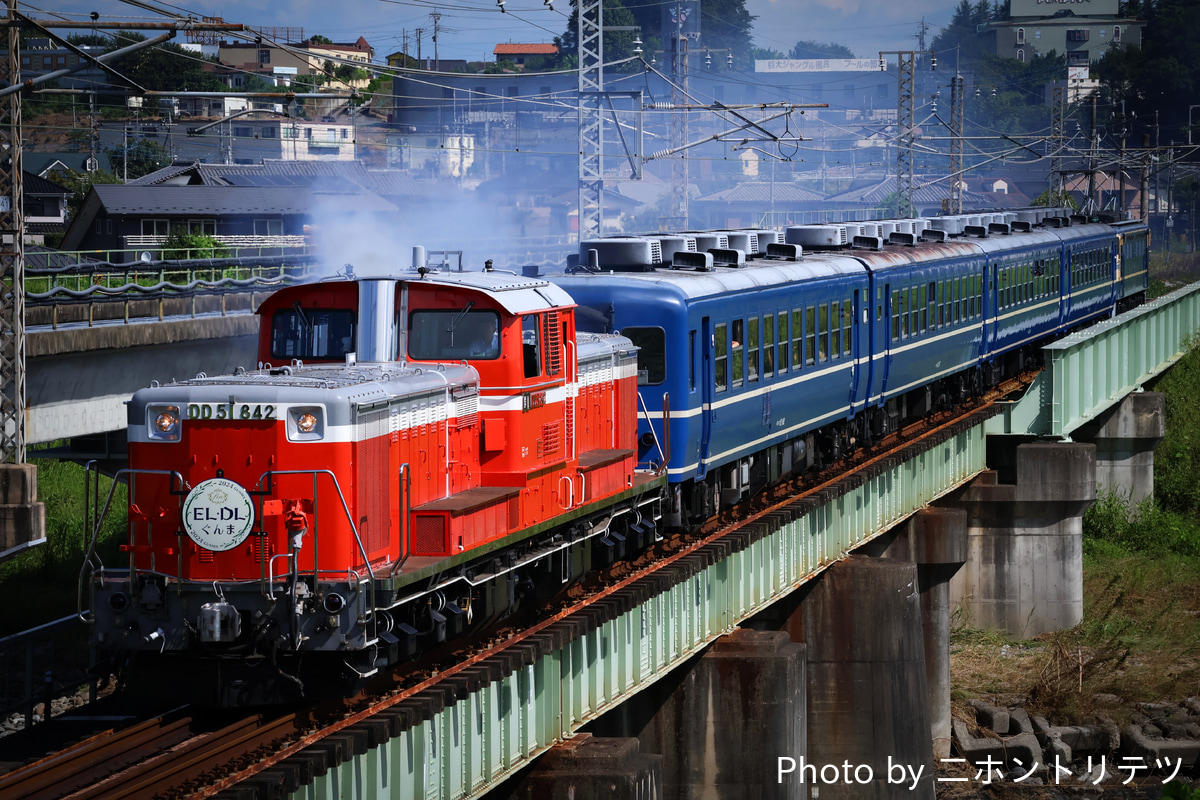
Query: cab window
column 312, row 332
column 531, row 346
column 453, row 335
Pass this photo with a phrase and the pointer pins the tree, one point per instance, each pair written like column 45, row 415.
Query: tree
column 724, row 25
column 164, row 67
column 79, row 183
column 319, row 39
column 618, row 45
column 1160, row 76
column 961, row 35
column 810, row 49
column 138, row 158
column 89, row 40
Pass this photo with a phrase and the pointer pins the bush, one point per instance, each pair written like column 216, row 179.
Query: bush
column 181, row 244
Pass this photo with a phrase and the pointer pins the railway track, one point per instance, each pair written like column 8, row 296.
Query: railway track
column 178, row 756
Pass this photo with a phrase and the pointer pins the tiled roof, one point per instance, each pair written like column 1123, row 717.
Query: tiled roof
column 763, row 193
column 229, row 200
column 536, row 49
column 877, row 194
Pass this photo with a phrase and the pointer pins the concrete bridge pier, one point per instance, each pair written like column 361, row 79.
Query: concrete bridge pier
column 1024, row 571
column 723, row 721
column 868, row 704
column 591, row 768
column 1125, row 438
column 935, row 539
column 22, row 517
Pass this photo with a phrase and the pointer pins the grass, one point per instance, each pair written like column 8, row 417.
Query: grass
column 1139, row 640
column 42, row 581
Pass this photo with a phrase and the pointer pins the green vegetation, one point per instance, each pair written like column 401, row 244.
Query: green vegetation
column 1140, row 636
column 181, row 244
column 42, row 582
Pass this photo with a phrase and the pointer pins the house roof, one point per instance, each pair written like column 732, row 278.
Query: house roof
column 228, row 200
column 40, row 163
column 876, row 194
column 319, row 175
column 535, row 49
column 35, row 184
column 219, row 201
column 763, row 193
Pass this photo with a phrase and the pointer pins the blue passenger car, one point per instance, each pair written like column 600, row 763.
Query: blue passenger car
column 756, row 363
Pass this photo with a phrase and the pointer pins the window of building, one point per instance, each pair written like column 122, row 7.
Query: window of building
column 62, row 61
column 155, row 227
column 268, row 227
column 1021, row 55
column 1020, row 36
column 1078, row 34
column 345, row 133
column 206, row 227
column 243, row 132
column 269, row 133
column 1077, row 58
column 264, row 56
column 1116, row 33
column 25, row 61
column 288, row 132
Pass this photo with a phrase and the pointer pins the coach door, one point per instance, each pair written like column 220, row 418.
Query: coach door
column 707, row 384
column 855, row 327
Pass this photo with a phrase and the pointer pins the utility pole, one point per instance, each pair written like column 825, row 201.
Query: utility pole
column 1092, row 201
column 1145, row 188
column 679, row 127
column 905, row 76
column 1121, row 164
column 1057, row 120
column 12, row 255
column 589, row 30
column 419, row 61
column 437, row 18
column 957, row 100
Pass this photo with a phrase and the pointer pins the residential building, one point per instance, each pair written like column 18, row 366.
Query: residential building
column 1083, row 32
column 520, row 53
column 264, row 205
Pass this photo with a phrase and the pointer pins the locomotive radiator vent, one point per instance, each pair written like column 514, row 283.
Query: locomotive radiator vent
column 623, row 253
column 728, row 257
column 784, row 252
column 701, row 262
column 671, row 243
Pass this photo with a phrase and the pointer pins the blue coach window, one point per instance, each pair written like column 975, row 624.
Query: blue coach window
column 768, row 334
column 652, row 354
column 797, row 338
column 721, row 357
column 783, row 342
column 752, row 351
column 738, row 336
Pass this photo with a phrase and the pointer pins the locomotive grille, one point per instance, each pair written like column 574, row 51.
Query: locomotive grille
column 373, row 430
column 206, row 556
column 429, row 535
column 553, row 343
column 466, row 412
column 655, row 251
column 263, row 549
column 551, row 441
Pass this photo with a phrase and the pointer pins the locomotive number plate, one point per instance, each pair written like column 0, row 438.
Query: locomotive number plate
column 232, row 410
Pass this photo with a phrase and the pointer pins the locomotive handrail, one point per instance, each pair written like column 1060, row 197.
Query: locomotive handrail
column 666, row 405
column 405, row 510
column 650, row 425
column 87, row 559
column 571, row 483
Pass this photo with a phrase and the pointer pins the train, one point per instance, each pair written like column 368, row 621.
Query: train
column 418, row 456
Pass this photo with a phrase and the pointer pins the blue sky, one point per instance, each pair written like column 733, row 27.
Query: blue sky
column 473, row 27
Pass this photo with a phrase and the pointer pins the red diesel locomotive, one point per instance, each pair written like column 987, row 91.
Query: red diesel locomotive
column 413, row 457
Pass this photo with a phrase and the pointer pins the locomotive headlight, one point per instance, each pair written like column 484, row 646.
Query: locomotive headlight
column 163, row 422
column 305, row 423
